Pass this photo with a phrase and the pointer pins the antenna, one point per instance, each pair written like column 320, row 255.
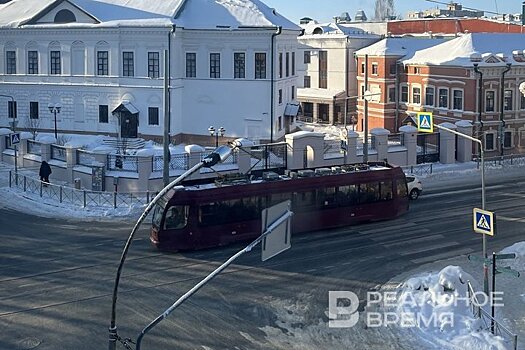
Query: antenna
column 468, row 8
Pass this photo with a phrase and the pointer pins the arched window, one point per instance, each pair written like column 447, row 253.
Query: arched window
column 65, row 16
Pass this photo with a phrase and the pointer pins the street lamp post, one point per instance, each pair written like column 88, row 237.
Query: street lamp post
column 12, row 112
column 55, row 108
column 216, row 133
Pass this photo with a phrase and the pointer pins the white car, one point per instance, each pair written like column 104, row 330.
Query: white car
column 414, row 186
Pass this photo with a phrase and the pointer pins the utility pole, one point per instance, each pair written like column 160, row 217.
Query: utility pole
column 365, row 131
column 166, row 135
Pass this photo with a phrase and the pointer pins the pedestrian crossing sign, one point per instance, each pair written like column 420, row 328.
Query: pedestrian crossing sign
column 484, row 222
column 425, row 122
column 15, row 138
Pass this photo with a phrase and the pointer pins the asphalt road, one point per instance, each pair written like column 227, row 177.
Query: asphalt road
column 57, row 278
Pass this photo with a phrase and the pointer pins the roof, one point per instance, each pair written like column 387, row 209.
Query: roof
column 318, row 93
column 191, row 14
column 403, row 47
column 483, row 48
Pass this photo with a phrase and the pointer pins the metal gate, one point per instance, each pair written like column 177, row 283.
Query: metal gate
column 428, row 148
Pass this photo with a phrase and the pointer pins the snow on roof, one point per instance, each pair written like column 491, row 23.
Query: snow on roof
column 191, row 14
column 458, row 52
column 405, row 46
column 332, row 29
column 315, row 92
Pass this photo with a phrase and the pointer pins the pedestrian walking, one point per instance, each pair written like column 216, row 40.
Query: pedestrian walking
column 45, row 171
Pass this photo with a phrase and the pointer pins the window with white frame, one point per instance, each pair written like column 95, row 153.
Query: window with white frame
column 260, row 65
column 32, row 62
column 239, row 65
column 391, row 94
column 429, row 96
column 416, row 95
column 153, row 115
column 55, row 62
column 33, row 110
column 490, row 99
column 507, row 100
column 522, row 101
column 457, row 99
column 215, row 65
column 10, row 62
column 191, row 64
column 507, row 139
column 307, row 57
column 153, row 64
column 489, row 141
column 375, row 69
column 404, row 93
column 128, row 65
column 102, row 62
column 443, row 98
column 307, row 81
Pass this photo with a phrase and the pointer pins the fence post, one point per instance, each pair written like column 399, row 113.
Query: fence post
column 147, row 196
column 114, row 200
column 431, row 164
column 84, row 198
column 515, row 341
column 10, row 179
column 25, row 181
column 60, row 194
column 40, row 188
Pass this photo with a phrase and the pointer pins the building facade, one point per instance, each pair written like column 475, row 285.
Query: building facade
column 102, row 63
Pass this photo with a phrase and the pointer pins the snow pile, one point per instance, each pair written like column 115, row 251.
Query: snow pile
column 435, row 304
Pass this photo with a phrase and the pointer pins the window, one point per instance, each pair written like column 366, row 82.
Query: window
column 33, row 110
column 391, row 94
column 280, row 123
column 457, row 103
column 11, row 109
column 307, row 82
column 307, row 57
column 429, row 96
column 323, row 69
column 489, row 142
column 363, row 68
column 280, row 64
column 153, row 116
column 103, row 113
column 416, row 95
column 32, row 62
column 374, row 69
column 10, row 62
column 260, row 65
column 54, row 57
column 239, row 65
column 287, row 64
column 280, row 96
column 191, row 65
column 522, row 138
column 522, row 102
column 176, row 217
column 404, row 93
column 127, row 64
column 392, row 69
column 417, row 70
column 153, row 65
column 443, row 98
column 507, row 101
column 293, row 92
column 293, row 63
column 507, row 139
column 489, row 101
column 102, row 63
column 215, row 65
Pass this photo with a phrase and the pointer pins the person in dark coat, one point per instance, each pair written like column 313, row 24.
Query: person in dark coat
column 45, row 171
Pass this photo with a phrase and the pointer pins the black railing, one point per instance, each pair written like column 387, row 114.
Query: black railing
column 58, row 153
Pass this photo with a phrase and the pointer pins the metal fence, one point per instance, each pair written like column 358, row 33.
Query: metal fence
column 489, row 323
column 34, row 147
column 271, row 156
column 420, row 169
column 177, row 162
column 78, row 198
column 332, row 146
column 8, row 143
column 396, row 140
column 121, row 162
column 85, row 158
column 507, row 160
column 58, row 153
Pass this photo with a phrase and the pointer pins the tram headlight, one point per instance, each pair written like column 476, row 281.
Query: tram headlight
column 219, row 155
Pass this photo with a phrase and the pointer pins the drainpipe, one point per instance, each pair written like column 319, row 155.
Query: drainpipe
column 272, row 80
column 501, row 116
column 347, row 61
column 479, row 124
column 397, row 90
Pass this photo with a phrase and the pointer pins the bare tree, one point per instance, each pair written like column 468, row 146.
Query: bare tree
column 384, row 10
column 32, row 125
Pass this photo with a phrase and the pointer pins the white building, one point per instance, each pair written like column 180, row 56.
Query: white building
column 329, row 69
column 102, row 61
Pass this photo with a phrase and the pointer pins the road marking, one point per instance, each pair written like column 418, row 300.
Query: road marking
column 447, row 255
column 429, row 248
column 388, row 228
column 441, row 194
column 508, row 218
column 311, row 270
column 395, row 236
column 414, row 240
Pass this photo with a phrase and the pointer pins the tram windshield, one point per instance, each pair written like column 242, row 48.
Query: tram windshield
column 176, row 217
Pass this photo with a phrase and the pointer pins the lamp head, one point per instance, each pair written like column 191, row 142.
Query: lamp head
column 211, row 129
column 222, row 131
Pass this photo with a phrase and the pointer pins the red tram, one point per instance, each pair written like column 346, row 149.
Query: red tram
column 209, row 215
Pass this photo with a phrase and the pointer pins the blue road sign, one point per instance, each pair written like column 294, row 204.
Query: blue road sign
column 425, row 122
column 483, row 221
column 15, row 138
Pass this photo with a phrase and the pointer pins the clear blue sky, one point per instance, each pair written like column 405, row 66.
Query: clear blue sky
column 325, row 10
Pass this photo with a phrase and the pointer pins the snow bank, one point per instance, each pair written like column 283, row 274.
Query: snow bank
column 518, row 263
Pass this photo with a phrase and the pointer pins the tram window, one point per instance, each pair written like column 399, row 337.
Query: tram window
column 386, row 190
column 348, row 195
column 157, row 215
column 176, row 217
column 327, row 197
column 276, row 198
column 369, row 192
column 226, row 212
column 401, row 188
column 305, row 199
